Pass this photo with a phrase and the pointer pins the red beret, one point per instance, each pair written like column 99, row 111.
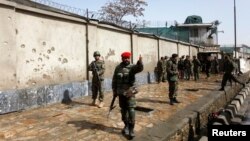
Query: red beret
column 126, row 55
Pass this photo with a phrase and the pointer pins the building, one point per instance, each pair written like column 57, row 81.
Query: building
column 193, row 31
column 242, row 50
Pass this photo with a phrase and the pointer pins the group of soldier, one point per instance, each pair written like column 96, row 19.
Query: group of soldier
column 187, row 67
column 171, row 69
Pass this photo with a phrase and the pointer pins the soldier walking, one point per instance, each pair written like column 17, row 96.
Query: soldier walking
column 228, row 69
column 123, row 81
column 196, row 68
column 172, row 76
column 98, row 68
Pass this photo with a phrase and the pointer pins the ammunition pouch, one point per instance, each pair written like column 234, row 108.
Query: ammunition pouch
column 131, row 91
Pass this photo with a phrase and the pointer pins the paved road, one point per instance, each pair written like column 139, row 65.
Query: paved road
column 81, row 121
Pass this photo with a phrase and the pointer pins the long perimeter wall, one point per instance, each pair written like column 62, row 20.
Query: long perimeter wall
column 49, row 51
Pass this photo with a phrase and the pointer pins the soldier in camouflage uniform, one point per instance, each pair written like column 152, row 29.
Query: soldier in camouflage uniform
column 228, row 69
column 165, row 69
column 172, row 76
column 188, row 67
column 196, row 68
column 160, row 69
column 98, row 68
column 123, row 80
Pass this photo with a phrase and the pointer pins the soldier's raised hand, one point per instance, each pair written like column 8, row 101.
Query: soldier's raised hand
column 140, row 58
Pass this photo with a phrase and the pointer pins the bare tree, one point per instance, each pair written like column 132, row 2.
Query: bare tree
column 116, row 10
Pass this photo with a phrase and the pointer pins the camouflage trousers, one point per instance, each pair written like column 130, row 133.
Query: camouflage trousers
column 229, row 77
column 196, row 75
column 127, row 105
column 97, row 87
column 173, row 87
column 160, row 77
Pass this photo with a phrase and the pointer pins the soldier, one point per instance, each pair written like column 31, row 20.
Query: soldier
column 123, row 80
column 216, row 65
column 160, row 69
column 208, row 66
column 196, row 68
column 188, row 67
column 98, row 68
column 228, row 69
column 165, row 69
column 181, row 67
column 172, row 76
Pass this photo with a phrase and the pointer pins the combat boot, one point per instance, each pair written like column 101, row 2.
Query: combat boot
column 175, row 100
column 221, row 89
column 131, row 130
column 125, row 130
column 94, row 102
column 101, row 104
column 243, row 85
column 171, row 101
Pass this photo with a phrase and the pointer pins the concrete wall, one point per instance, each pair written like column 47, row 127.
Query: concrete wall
column 193, row 51
column 148, row 48
column 183, row 50
column 111, row 44
column 7, row 48
column 49, row 51
column 45, row 54
column 167, row 48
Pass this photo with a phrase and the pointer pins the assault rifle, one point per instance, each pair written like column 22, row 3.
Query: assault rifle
column 96, row 72
column 111, row 107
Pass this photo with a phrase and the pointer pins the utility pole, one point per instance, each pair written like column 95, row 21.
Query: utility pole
column 235, row 39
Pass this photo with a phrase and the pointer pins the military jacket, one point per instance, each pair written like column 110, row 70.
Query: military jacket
column 97, row 68
column 197, row 64
column 124, row 75
column 229, row 66
column 172, row 71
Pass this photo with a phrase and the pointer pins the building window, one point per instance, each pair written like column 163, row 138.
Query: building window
column 194, row 32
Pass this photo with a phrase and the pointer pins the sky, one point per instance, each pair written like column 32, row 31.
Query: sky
column 178, row 10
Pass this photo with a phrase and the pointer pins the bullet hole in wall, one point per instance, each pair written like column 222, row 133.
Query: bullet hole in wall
column 49, row 51
column 44, row 43
column 65, row 60
column 40, row 59
column 53, row 48
column 22, row 45
column 34, row 50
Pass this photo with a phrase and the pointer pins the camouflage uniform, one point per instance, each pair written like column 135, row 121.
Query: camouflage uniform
column 228, row 69
column 208, row 66
column 124, row 79
column 160, row 69
column 188, row 68
column 196, row 67
column 216, row 66
column 97, row 85
column 172, row 76
column 181, row 67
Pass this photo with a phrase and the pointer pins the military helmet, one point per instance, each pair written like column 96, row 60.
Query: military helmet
column 97, row 53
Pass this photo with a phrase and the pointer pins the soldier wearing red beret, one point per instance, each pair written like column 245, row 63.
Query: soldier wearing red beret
column 122, row 83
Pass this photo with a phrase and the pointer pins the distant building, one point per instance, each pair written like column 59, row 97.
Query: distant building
column 242, row 50
column 193, row 31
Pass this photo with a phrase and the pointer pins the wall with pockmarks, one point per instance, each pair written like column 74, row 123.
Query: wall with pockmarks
column 49, row 50
column 43, row 47
column 7, row 48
